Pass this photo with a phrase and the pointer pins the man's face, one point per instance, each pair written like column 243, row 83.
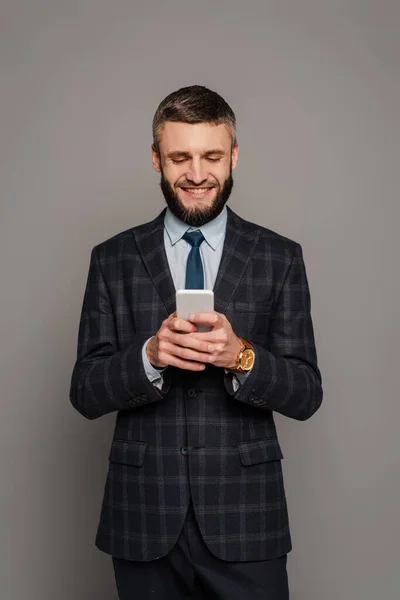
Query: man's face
column 196, row 163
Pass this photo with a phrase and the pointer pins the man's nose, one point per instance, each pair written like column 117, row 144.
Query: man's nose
column 196, row 173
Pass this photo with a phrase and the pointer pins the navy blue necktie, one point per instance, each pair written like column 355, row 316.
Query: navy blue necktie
column 194, row 266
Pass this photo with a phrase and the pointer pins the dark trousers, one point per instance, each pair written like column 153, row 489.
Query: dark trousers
column 190, row 570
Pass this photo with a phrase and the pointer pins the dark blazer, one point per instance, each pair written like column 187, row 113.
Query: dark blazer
column 196, row 437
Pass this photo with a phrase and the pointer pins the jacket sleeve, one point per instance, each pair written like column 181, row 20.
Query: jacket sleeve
column 106, row 378
column 285, row 377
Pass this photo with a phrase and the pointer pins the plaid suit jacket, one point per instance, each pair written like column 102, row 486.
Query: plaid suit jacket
column 196, row 437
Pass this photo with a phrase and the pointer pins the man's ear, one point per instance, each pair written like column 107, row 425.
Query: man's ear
column 156, row 159
column 235, row 155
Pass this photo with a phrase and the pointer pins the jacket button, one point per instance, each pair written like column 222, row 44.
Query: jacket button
column 184, row 451
column 191, row 393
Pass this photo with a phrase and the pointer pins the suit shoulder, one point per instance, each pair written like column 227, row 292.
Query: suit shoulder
column 112, row 244
column 268, row 235
column 277, row 238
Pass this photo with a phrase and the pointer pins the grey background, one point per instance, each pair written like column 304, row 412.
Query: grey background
column 316, row 89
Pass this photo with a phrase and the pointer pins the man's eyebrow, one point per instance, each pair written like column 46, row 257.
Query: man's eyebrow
column 215, row 151
column 178, row 154
column 183, row 154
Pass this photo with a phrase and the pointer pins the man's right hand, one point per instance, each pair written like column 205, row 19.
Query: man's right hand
column 174, row 346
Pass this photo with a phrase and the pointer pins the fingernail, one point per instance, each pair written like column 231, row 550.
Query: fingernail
column 211, row 348
column 211, row 358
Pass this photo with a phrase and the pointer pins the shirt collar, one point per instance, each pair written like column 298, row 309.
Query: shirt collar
column 213, row 231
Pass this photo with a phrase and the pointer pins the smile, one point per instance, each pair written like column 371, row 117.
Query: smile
column 198, row 192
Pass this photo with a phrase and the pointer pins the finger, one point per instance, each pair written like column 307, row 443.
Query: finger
column 205, row 318
column 186, row 365
column 168, row 358
column 216, row 337
column 186, row 353
column 176, row 324
column 189, row 341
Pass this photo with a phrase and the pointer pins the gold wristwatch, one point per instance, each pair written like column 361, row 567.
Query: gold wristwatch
column 245, row 358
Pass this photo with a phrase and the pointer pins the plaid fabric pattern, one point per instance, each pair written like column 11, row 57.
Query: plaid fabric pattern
column 196, row 437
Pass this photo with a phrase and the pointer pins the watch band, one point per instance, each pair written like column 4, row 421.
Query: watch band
column 238, row 366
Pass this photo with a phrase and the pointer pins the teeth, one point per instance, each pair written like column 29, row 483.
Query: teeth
column 197, row 190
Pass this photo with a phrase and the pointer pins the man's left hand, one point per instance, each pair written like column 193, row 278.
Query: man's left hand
column 226, row 343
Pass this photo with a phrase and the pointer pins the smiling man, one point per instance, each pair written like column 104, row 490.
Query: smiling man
column 194, row 503
column 197, row 181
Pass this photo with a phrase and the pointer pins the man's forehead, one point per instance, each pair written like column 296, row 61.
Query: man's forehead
column 198, row 137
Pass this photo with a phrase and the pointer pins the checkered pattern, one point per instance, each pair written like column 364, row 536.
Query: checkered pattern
column 232, row 467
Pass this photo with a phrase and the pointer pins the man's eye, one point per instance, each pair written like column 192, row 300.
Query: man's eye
column 214, row 159
column 177, row 161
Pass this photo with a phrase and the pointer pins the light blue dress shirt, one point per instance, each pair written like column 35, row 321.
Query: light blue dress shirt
column 177, row 251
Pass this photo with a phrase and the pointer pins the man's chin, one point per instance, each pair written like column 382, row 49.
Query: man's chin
column 196, row 211
column 193, row 211
column 196, row 216
column 196, row 204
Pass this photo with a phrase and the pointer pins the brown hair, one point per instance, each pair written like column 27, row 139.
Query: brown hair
column 194, row 104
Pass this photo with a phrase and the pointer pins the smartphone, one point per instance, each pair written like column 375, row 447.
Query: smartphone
column 194, row 301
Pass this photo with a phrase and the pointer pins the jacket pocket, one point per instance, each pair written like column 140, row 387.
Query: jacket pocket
column 259, row 451
column 128, row 453
column 251, row 320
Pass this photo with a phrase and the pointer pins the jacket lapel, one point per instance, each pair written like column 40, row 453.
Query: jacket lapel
column 150, row 243
column 240, row 240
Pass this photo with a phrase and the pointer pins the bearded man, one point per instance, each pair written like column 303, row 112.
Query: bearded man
column 194, row 503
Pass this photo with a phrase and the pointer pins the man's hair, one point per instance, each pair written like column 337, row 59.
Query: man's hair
column 194, row 104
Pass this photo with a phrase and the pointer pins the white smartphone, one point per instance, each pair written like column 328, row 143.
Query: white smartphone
column 194, row 301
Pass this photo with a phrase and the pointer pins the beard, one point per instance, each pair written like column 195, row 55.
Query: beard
column 196, row 217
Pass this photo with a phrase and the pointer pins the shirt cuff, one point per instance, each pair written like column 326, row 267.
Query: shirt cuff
column 153, row 375
column 238, row 379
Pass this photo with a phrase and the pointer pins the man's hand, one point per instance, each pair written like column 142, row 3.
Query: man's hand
column 222, row 337
column 173, row 345
column 179, row 344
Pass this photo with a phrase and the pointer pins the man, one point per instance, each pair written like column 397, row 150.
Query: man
column 194, row 503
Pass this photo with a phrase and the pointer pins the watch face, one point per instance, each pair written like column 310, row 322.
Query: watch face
column 247, row 360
